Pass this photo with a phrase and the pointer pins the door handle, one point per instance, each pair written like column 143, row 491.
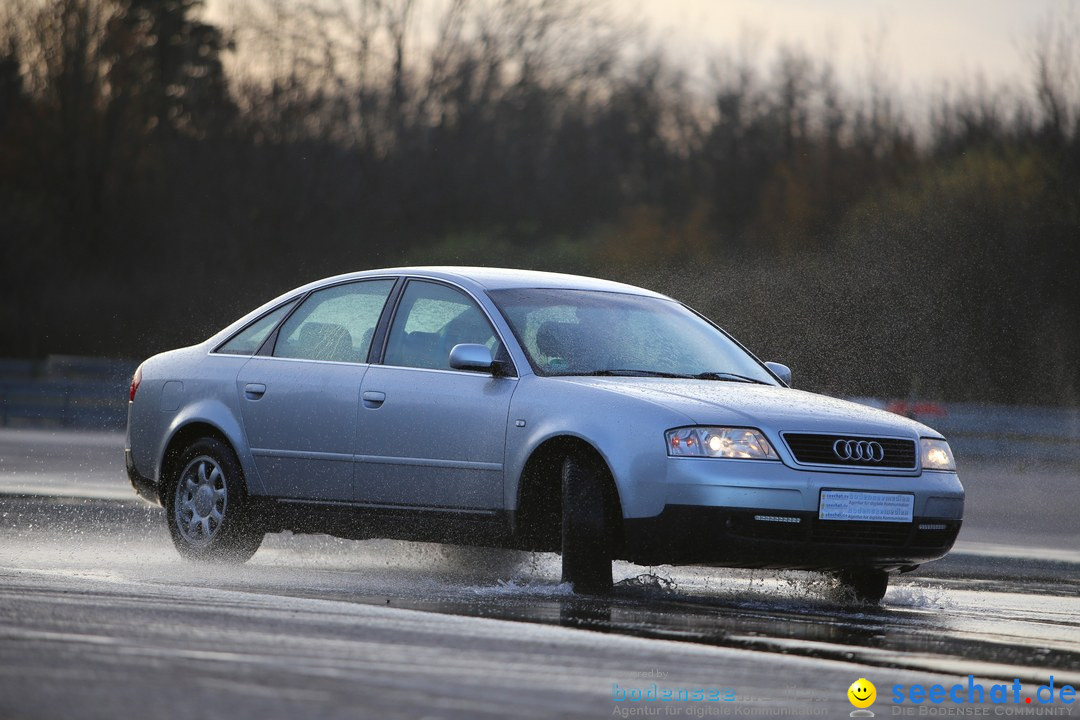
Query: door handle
column 254, row 391
column 373, row 398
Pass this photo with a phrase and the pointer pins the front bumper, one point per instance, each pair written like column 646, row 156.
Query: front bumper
column 720, row 512
column 738, row 537
column 144, row 486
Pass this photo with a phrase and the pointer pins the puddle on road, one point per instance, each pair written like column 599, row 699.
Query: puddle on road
column 963, row 611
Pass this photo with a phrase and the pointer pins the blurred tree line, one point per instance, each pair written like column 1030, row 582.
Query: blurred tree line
column 161, row 174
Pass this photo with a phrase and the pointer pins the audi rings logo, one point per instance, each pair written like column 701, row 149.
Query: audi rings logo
column 859, row 450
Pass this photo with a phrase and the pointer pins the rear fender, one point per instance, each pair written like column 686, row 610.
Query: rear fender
column 219, row 416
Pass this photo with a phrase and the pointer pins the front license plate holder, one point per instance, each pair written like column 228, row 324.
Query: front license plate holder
column 866, row 506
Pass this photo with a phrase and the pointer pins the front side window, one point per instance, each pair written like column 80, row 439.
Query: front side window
column 582, row 332
column 250, row 339
column 431, row 319
column 335, row 324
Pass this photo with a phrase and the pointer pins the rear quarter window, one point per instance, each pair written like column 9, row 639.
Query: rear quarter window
column 248, row 340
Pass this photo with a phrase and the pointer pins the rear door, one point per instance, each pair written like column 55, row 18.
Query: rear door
column 431, row 436
column 299, row 404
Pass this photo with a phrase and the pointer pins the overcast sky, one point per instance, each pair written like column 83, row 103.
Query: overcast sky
column 921, row 41
column 915, row 44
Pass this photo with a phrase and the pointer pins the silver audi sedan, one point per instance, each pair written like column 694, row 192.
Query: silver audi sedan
column 528, row 410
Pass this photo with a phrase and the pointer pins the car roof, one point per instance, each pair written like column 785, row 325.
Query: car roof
column 505, row 279
column 473, row 278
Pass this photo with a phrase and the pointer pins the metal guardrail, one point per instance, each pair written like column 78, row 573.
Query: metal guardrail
column 65, row 391
column 1022, row 433
column 1003, row 432
column 81, row 392
column 63, row 403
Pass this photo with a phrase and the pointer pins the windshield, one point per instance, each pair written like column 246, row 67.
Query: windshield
column 584, row 332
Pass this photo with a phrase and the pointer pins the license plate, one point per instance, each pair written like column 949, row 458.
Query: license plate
column 872, row 507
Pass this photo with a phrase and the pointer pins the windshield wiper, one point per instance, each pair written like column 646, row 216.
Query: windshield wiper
column 637, row 372
column 616, row 372
column 728, row 376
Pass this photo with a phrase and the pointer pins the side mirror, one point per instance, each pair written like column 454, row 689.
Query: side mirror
column 467, row 356
column 781, row 371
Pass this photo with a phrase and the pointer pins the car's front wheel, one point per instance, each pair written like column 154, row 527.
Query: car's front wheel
column 207, row 506
column 586, row 526
column 865, row 584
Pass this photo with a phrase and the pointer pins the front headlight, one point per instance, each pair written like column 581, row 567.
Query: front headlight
column 719, row 442
column 936, row 454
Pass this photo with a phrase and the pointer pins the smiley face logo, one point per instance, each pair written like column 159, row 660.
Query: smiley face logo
column 862, row 693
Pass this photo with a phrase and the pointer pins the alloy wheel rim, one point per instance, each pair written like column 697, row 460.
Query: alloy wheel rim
column 201, row 498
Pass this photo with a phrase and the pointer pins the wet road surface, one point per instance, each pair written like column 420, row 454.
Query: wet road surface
column 99, row 617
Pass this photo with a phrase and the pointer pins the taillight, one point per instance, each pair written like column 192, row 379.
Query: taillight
column 135, row 380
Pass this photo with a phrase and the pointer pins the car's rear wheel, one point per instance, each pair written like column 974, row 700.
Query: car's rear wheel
column 207, row 506
column 865, row 584
column 586, row 526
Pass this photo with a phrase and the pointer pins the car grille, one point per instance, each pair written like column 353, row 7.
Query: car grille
column 867, row 533
column 818, row 450
column 937, row 537
column 921, row 534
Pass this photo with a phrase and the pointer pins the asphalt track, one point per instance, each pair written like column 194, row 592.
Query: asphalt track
column 100, row 618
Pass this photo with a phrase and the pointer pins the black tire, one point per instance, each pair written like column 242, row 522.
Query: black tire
column 586, row 528
column 867, row 585
column 207, row 507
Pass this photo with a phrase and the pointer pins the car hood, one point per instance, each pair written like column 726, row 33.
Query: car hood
column 711, row 402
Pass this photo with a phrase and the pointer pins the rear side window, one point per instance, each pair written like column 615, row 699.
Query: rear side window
column 248, row 340
column 335, row 324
